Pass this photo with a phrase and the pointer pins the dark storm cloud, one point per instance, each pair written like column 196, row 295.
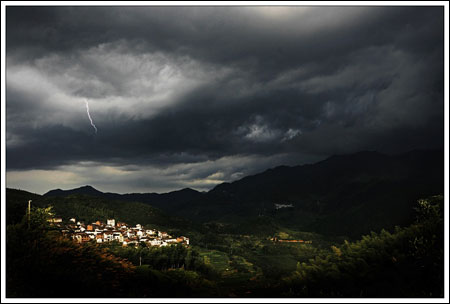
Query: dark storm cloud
column 230, row 34
column 188, row 85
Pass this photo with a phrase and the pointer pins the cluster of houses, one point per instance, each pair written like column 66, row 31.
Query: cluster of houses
column 111, row 231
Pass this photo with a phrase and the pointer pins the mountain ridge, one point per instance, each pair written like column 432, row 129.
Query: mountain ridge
column 88, row 188
column 156, row 199
column 344, row 194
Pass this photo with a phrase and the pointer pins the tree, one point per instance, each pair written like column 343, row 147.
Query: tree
column 40, row 263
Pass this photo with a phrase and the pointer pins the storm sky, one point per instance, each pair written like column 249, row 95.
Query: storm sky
column 195, row 96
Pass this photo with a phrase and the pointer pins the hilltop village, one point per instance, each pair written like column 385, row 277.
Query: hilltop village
column 100, row 232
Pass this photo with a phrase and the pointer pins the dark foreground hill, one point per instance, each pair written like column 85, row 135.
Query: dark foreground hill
column 342, row 195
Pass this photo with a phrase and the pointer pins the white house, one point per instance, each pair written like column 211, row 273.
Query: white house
column 117, row 235
column 150, row 231
column 155, row 242
column 163, row 234
column 111, row 222
column 108, row 236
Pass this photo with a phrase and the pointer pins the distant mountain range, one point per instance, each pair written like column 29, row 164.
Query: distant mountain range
column 342, row 195
column 165, row 201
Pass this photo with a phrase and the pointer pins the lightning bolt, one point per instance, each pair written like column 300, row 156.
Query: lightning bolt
column 89, row 115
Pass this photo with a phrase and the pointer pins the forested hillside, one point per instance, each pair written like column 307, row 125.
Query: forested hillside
column 90, row 209
column 406, row 263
